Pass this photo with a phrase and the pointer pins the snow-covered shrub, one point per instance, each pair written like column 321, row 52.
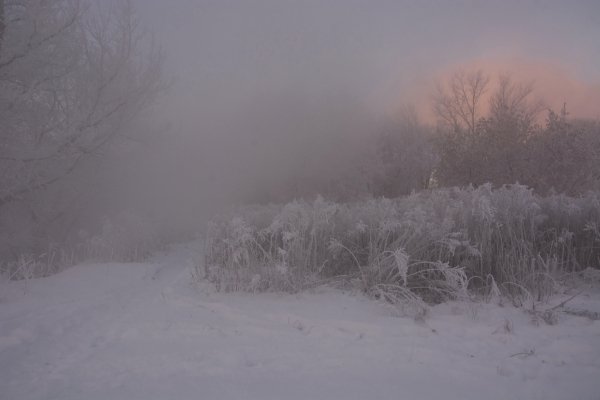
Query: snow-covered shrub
column 383, row 245
column 126, row 237
column 399, row 245
column 503, row 225
column 426, row 247
column 29, row 266
column 570, row 231
column 244, row 253
column 26, row 266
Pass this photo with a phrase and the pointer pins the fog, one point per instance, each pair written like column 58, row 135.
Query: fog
column 265, row 92
column 273, row 100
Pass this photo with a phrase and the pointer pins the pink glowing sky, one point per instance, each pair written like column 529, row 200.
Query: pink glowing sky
column 553, row 83
column 226, row 53
column 276, row 88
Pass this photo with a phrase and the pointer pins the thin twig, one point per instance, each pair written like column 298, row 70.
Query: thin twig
column 562, row 304
column 524, row 353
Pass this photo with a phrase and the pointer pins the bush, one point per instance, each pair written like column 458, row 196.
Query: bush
column 425, row 248
column 126, row 237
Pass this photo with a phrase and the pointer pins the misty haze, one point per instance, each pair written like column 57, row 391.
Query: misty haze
column 279, row 199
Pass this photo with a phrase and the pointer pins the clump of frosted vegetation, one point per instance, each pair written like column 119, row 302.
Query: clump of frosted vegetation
column 126, row 237
column 424, row 248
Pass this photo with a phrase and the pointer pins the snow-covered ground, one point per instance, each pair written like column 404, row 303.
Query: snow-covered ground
column 145, row 331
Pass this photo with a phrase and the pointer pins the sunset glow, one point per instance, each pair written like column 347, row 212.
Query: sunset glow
column 554, row 84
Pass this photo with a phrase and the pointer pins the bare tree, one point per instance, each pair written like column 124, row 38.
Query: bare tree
column 458, row 104
column 70, row 81
column 475, row 148
column 514, row 101
column 73, row 76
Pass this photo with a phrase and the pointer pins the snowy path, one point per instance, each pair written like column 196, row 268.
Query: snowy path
column 143, row 331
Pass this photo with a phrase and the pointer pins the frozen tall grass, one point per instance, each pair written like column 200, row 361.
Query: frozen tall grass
column 126, row 237
column 427, row 247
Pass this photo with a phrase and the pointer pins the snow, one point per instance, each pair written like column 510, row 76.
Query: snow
column 147, row 331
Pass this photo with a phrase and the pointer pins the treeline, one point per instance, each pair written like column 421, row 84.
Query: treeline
column 486, row 131
column 509, row 144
